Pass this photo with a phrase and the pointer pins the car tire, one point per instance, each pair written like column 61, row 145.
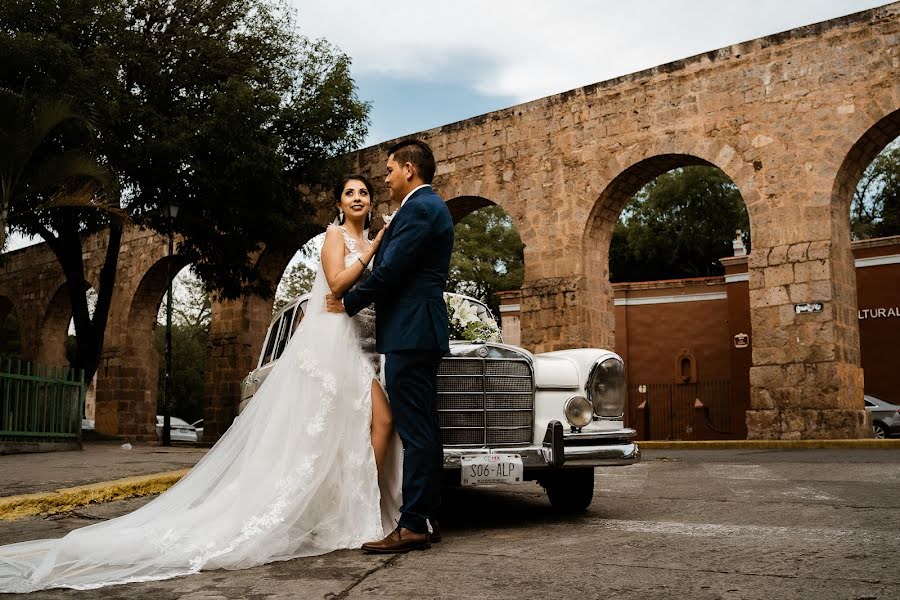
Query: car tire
column 879, row 430
column 570, row 490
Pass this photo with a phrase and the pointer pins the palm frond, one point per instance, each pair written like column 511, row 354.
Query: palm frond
column 48, row 116
column 61, row 169
column 88, row 195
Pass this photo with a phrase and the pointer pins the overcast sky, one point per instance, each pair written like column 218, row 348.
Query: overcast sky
column 430, row 63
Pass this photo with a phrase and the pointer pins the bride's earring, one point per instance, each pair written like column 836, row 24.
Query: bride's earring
column 368, row 223
column 340, row 216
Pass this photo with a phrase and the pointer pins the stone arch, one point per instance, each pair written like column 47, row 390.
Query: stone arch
column 862, row 151
column 872, row 135
column 865, row 141
column 7, row 308
column 54, row 328
column 462, row 206
column 136, row 379
column 598, row 313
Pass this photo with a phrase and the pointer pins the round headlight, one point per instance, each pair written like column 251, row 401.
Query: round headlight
column 606, row 388
column 578, row 411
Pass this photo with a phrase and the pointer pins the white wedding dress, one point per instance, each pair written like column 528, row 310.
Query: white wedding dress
column 293, row 476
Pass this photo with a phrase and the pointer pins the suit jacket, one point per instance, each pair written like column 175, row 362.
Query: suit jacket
column 410, row 276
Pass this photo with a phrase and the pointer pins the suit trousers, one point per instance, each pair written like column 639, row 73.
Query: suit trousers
column 411, row 378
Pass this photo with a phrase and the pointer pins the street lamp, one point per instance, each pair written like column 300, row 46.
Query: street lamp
column 170, row 211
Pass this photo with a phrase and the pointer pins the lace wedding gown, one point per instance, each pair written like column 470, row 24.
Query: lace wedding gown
column 293, row 476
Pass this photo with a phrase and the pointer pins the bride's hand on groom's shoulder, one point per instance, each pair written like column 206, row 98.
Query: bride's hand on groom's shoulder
column 333, row 305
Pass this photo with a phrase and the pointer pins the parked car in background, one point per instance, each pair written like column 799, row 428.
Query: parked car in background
column 198, row 427
column 508, row 416
column 181, row 430
column 885, row 417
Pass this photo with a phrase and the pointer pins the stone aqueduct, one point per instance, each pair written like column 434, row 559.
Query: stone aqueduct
column 793, row 119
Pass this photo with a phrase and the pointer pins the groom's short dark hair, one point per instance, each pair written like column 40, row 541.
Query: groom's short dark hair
column 418, row 154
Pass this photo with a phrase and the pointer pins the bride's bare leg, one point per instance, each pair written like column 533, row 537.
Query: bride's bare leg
column 382, row 424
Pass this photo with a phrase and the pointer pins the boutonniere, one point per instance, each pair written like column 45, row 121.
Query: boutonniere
column 387, row 218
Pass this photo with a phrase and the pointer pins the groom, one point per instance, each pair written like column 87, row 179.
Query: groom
column 407, row 288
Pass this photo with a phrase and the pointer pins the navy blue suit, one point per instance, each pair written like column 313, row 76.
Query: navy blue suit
column 407, row 287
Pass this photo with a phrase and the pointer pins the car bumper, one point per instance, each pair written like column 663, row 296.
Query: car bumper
column 563, row 450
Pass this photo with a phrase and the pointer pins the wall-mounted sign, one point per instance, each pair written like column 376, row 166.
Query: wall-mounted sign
column 741, row 340
column 642, row 389
column 879, row 313
column 809, row 307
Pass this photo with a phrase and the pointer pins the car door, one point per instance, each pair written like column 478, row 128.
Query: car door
column 283, row 330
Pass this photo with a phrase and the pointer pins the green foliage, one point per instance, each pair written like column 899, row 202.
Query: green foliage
column 191, row 305
column 679, row 225
column 46, row 162
column 488, row 256
column 217, row 105
column 188, row 362
column 875, row 211
column 298, row 281
column 190, row 333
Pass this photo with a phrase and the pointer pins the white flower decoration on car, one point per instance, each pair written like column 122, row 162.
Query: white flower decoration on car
column 469, row 321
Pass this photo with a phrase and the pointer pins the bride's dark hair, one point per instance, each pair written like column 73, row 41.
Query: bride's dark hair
column 339, row 191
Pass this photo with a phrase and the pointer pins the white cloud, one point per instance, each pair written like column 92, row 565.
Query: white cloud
column 527, row 49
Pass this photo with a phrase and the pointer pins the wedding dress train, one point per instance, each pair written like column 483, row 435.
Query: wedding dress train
column 293, row 476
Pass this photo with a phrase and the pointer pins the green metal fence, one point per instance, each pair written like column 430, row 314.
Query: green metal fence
column 40, row 402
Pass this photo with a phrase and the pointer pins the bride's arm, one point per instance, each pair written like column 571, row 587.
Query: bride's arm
column 340, row 278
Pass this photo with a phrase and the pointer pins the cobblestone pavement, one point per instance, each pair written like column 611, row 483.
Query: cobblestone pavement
column 681, row 524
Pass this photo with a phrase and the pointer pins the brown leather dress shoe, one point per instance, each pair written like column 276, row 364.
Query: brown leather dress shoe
column 399, row 540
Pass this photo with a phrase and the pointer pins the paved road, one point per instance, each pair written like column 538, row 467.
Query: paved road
column 682, row 524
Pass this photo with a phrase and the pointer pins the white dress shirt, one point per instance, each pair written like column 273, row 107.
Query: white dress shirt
column 413, row 192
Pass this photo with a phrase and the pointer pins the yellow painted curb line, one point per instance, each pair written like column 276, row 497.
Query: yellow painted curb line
column 871, row 444
column 66, row 499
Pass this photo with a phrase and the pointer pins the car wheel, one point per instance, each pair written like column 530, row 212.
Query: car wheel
column 879, row 430
column 570, row 490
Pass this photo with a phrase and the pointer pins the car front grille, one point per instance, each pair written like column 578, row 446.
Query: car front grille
column 485, row 401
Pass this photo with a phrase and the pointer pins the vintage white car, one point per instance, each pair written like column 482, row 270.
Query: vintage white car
column 510, row 416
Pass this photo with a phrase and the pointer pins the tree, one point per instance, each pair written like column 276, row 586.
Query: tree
column 44, row 163
column 298, row 281
column 678, row 225
column 51, row 180
column 488, row 256
column 188, row 363
column 190, row 332
column 875, row 210
column 191, row 304
column 218, row 105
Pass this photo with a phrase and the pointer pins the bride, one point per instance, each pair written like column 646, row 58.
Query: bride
column 297, row 474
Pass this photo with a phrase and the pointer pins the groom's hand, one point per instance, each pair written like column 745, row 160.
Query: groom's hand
column 333, row 304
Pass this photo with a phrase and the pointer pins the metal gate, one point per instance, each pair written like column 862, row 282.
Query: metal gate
column 670, row 411
column 40, row 402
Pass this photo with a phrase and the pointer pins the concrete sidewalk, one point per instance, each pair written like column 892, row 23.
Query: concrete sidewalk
column 54, row 482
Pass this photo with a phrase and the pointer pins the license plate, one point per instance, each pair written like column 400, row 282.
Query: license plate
column 489, row 469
